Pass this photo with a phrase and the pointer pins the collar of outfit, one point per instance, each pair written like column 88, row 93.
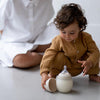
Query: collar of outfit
column 27, row 2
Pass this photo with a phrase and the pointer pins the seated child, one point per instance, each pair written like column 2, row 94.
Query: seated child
column 72, row 47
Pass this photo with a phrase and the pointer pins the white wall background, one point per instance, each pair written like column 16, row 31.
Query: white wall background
column 92, row 12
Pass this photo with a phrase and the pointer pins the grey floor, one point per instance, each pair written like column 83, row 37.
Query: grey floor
column 18, row 84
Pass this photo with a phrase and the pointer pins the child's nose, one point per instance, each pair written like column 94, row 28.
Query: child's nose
column 67, row 35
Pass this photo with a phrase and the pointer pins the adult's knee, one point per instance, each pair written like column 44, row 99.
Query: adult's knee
column 18, row 61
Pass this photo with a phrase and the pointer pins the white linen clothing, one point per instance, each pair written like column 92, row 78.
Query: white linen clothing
column 24, row 25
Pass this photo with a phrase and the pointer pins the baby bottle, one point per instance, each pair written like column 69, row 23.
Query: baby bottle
column 64, row 82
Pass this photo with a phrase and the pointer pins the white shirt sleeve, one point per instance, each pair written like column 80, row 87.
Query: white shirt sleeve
column 4, row 12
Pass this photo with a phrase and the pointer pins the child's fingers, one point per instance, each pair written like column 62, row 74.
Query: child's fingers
column 84, row 74
column 79, row 61
column 82, row 62
column 82, row 65
column 43, row 86
column 43, row 83
column 49, row 75
column 85, row 70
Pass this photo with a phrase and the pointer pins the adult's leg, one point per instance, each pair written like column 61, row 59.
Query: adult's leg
column 31, row 58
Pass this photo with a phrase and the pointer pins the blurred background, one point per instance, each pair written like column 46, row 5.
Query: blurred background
column 91, row 10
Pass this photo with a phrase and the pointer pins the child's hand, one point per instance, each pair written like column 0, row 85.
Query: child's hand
column 87, row 65
column 45, row 77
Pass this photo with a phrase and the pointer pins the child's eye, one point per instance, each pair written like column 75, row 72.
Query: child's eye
column 72, row 33
column 64, row 32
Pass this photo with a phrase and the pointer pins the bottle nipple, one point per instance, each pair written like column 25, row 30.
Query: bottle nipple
column 65, row 70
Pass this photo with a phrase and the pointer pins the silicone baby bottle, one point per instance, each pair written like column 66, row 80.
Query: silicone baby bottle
column 64, row 82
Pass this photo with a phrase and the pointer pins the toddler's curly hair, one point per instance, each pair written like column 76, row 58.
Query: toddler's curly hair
column 68, row 14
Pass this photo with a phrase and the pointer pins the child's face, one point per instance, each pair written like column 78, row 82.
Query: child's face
column 71, row 32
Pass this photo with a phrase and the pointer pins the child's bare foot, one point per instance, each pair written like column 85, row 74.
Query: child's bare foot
column 95, row 78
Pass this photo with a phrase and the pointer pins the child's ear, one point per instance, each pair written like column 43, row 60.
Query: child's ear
column 81, row 29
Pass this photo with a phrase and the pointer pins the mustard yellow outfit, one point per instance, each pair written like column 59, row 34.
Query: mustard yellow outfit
column 63, row 53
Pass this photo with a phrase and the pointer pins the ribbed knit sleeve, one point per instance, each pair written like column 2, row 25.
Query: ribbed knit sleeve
column 49, row 56
column 93, row 51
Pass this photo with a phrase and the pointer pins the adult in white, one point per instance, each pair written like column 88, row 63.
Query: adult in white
column 24, row 31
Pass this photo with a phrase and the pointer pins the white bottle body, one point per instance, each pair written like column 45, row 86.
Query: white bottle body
column 64, row 85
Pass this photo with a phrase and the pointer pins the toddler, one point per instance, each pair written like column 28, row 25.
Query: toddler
column 72, row 47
